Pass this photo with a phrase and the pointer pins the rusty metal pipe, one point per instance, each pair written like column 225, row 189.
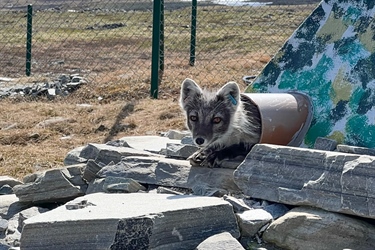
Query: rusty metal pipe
column 285, row 117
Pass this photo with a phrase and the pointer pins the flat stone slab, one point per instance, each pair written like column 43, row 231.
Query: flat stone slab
column 130, row 221
column 170, row 172
column 332, row 181
column 106, row 154
column 356, row 150
column 149, row 143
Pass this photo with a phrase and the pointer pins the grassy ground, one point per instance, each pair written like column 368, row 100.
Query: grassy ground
column 231, row 42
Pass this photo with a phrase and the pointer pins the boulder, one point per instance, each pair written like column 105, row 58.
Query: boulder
column 332, row 181
column 170, row 172
column 73, row 157
column 55, row 185
column 130, row 221
column 310, row 229
column 251, row 221
column 222, row 241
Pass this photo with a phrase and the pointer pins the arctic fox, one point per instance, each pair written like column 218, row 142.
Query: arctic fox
column 223, row 124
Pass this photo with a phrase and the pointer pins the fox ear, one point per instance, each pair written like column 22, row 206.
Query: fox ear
column 189, row 90
column 230, row 92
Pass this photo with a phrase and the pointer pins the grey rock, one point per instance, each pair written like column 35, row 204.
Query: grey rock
column 251, row 221
column 53, row 121
column 96, row 186
column 61, row 86
column 112, row 184
column 78, row 204
column 164, row 190
column 153, row 144
column 77, row 79
column 73, row 157
column 122, row 221
column 118, row 143
column 180, row 151
column 238, row 205
column 6, row 79
column 10, row 205
column 91, row 169
column 3, row 225
column 55, row 185
column 86, row 106
column 7, row 180
column 63, row 79
column 11, row 237
column 176, row 134
column 105, row 154
column 311, row 229
column 355, row 150
column 170, row 172
column 6, row 189
column 9, row 126
column 51, row 92
column 276, row 210
column 323, row 143
column 205, row 190
column 188, row 140
column 332, row 181
column 222, row 241
column 121, row 185
column 28, row 213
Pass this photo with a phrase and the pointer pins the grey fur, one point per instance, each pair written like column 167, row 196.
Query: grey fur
column 239, row 122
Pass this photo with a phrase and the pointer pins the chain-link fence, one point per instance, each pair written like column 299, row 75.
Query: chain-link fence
column 111, row 41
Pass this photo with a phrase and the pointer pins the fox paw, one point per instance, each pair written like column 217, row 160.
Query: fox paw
column 203, row 158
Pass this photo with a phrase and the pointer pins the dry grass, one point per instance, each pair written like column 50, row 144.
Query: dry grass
column 26, row 146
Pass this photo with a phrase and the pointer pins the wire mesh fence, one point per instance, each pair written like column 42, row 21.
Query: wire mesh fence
column 111, row 41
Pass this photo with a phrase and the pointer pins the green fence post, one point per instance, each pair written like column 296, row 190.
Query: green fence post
column 161, row 66
column 156, row 46
column 29, row 38
column 193, row 34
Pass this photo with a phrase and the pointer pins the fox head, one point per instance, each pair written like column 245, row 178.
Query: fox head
column 209, row 115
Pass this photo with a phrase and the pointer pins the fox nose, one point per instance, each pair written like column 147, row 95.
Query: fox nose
column 199, row 141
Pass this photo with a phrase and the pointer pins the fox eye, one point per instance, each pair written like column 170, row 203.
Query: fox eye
column 193, row 118
column 216, row 120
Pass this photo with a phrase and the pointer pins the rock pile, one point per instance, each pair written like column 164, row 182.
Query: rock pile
column 142, row 193
column 62, row 86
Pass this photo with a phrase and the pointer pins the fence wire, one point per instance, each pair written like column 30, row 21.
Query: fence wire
column 110, row 40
